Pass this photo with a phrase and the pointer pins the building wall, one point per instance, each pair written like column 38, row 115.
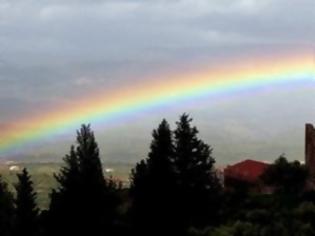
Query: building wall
column 310, row 149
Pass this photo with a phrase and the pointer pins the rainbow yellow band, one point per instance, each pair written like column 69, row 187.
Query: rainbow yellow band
column 109, row 104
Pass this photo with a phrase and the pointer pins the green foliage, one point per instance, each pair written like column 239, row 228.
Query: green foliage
column 305, row 212
column 244, row 228
column 264, row 222
column 286, row 177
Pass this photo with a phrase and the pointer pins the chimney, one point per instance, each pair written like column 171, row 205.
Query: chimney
column 310, row 149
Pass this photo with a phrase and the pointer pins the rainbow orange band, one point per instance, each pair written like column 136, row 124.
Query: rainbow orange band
column 110, row 104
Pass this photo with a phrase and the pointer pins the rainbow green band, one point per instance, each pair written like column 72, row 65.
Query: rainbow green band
column 106, row 105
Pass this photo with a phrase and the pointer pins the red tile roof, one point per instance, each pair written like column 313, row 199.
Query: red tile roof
column 248, row 170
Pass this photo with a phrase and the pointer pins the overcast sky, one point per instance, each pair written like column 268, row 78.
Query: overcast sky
column 53, row 51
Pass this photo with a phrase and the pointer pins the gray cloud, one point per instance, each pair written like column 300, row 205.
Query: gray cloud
column 51, row 51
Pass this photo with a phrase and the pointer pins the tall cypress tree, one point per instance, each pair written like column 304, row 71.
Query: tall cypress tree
column 26, row 211
column 153, row 185
column 6, row 209
column 198, row 185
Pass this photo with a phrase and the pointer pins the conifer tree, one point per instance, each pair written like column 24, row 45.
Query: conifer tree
column 198, row 184
column 68, row 178
column 85, row 202
column 6, row 209
column 26, row 211
column 93, row 184
column 64, row 211
column 161, row 155
column 91, row 170
column 153, row 185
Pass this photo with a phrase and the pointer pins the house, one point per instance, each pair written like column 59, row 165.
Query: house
column 247, row 172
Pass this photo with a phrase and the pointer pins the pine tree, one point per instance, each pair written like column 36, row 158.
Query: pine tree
column 64, row 210
column 6, row 209
column 160, row 156
column 91, row 170
column 153, row 184
column 85, row 202
column 68, row 178
column 92, row 181
column 198, row 185
column 26, row 211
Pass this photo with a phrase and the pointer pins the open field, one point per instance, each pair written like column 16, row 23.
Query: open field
column 43, row 176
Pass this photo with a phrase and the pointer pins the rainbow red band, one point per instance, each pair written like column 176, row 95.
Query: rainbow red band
column 109, row 104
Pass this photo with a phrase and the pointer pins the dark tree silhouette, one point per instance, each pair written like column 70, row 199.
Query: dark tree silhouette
column 26, row 210
column 199, row 186
column 176, row 186
column 65, row 203
column 85, row 202
column 99, row 194
column 286, row 177
column 175, row 190
column 153, row 186
column 6, row 209
column 69, row 175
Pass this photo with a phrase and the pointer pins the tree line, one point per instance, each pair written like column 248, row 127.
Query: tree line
column 175, row 190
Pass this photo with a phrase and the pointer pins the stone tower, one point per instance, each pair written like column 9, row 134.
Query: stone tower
column 310, row 149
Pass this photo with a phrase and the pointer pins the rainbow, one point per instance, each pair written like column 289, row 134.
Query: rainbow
column 109, row 104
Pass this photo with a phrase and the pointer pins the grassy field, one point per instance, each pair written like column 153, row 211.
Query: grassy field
column 43, row 176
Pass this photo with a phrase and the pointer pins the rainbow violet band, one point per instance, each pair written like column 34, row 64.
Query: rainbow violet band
column 119, row 102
